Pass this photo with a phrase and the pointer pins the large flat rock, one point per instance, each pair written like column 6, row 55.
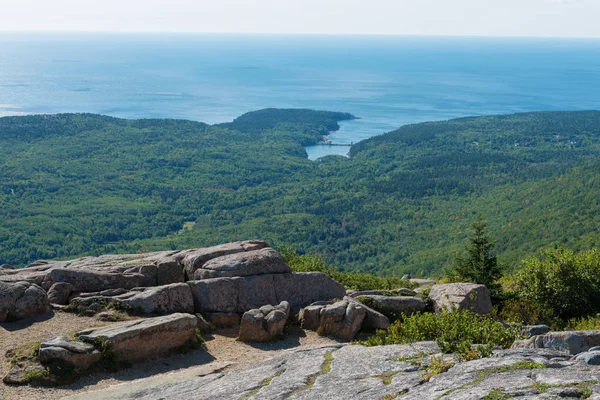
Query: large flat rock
column 383, row 372
column 144, row 338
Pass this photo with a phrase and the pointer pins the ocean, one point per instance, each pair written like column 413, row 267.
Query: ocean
column 387, row 81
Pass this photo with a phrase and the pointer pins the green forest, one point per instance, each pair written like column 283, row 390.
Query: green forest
column 83, row 184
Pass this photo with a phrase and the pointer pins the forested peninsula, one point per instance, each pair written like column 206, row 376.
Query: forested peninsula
column 83, row 184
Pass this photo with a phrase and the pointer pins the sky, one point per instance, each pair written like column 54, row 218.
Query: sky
column 545, row 18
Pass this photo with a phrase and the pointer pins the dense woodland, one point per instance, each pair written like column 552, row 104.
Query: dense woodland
column 74, row 184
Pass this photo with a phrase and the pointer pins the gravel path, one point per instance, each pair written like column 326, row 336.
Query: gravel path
column 221, row 349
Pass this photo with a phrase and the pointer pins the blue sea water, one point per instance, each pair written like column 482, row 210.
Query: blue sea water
column 386, row 81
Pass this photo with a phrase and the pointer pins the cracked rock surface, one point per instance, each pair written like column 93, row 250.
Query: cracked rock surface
column 383, row 372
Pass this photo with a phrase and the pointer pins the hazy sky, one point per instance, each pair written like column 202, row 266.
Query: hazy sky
column 567, row 18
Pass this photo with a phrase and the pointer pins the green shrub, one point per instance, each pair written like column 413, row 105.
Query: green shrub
column 590, row 323
column 454, row 332
column 520, row 311
column 561, row 282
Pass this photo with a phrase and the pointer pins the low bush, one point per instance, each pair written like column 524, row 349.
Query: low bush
column 563, row 283
column 465, row 333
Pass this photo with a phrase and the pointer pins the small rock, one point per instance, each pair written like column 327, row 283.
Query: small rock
column 59, row 293
column 534, row 330
column 65, row 351
column 22, row 376
column 461, row 296
column 264, row 324
column 590, row 357
column 393, row 307
column 342, row 319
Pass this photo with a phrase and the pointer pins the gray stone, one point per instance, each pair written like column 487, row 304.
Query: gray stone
column 590, row 357
column 62, row 351
column 422, row 282
column 395, row 292
column 357, row 372
column 310, row 317
column 21, row 300
column 342, row 320
column 264, row 324
column 195, row 259
column 20, row 375
column 534, row 330
column 570, row 342
column 393, row 306
column 166, row 299
column 240, row 294
column 93, row 281
column 59, row 293
column 373, row 319
column 6, row 266
column 461, row 296
column 145, row 338
column 169, row 271
column 256, row 262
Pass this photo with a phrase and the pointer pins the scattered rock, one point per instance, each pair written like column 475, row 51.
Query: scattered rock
column 59, row 293
column 6, row 266
column 144, row 338
column 534, row 330
column 63, row 351
column 264, row 324
column 22, row 299
column 255, row 262
column 23, row 375
column 461, row 296
column 342, row 319
column 392, row 306
column 395, row 292
column 373, row 319
column 572, row 342
column 589, row 357
column 310, row 317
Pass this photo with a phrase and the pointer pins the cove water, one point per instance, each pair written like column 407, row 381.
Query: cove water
column 387, row 81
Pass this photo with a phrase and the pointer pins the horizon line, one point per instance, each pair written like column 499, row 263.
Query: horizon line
column 363, row 34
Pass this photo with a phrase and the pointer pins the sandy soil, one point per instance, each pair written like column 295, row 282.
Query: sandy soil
column 221, row 350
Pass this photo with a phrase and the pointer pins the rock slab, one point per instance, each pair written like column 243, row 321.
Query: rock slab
column 461, row 296
column 144, row 338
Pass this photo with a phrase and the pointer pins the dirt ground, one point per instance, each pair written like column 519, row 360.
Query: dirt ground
column 221, row 350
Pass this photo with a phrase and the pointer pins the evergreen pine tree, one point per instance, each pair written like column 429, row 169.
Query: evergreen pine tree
column 479, row 264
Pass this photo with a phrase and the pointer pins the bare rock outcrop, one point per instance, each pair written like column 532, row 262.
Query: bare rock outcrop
column 393, row 307
column 461, row 296
column 264, row 324
column 342, row 319
column 63, row 351
column 19, row 300
column 144, row 338
column 240, row 294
